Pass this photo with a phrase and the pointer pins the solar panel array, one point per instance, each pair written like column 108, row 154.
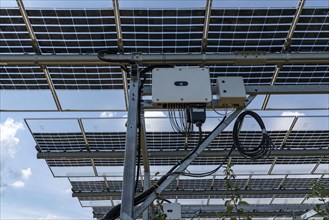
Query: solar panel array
column 178, row 31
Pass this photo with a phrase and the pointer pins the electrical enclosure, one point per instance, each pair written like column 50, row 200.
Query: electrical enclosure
column 173, row 210
column 231, row 91
column 181, row 85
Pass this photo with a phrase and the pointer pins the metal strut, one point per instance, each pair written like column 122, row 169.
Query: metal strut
column 128, row 191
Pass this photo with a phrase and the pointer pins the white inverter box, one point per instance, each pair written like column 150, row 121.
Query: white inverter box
column 181, row 85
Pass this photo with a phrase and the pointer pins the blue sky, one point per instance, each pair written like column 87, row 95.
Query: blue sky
column 28, row 189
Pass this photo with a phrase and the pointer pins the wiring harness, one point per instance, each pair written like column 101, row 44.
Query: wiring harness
column 254, row 152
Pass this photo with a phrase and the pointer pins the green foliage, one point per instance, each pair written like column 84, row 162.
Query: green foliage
column 157, row 211
column 235, row 199
column 319, row 191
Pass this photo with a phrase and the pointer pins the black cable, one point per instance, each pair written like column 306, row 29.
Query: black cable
column 102, row 53
column 266, row 144
column 115, row 211
column 209, row 172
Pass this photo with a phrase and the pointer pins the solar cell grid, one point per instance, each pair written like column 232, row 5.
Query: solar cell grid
column 14, row 36
column 162, row 31
column 220, row 184
column 297, row 160
column 115, row 185
column 297, row 183
column 103, row 141
column 311, row 32
column 246, row 161
column 252, row 75
column 189, row 197
column 60, row 142
column 248, row 30
column 194, row 184
column 22, row 77
column 88, row 186
column 303, row 74
column 86, row 77
column 99, row 198
column 109, row 162
column 74, row 31
column 264, row 184
column 308, row 139
column 68, row 162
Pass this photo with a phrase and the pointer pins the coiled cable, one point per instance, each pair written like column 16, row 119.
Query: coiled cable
column 255, row 152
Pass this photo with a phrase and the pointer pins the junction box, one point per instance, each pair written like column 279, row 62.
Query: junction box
column 230, row 92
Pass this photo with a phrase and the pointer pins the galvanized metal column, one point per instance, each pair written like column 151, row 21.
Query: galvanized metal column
column 128, row 191
column 147, row 175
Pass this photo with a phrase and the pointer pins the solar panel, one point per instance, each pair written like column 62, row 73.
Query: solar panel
column 162, row 31
column 311, row 32
column 15, row 38
column 73, row 31
column 86, row 77
column 22, row 77
column 232, row 30
column 303, row 74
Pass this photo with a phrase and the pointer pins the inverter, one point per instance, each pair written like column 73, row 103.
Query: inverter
column 181, row 85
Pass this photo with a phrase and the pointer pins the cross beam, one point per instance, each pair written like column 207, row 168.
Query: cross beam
column 237, row 59
column 177, row 154
column 218, row 193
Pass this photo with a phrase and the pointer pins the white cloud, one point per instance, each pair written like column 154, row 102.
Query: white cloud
column 18, row 184
column 49, row 217
column 8, row 139
column 26, row 174
column 154, row 114
column 289, row 113
column 107, row 114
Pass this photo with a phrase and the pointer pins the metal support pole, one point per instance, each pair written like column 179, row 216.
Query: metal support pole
column 147, row 175
column 204, row 41
column 188, row 161
column 147, row 184
column 128, row 191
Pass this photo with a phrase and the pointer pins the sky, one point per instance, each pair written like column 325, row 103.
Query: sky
column 28, row 189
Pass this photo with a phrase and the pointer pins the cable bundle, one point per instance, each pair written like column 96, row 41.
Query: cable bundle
column 257, row 152
column 178, row 118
